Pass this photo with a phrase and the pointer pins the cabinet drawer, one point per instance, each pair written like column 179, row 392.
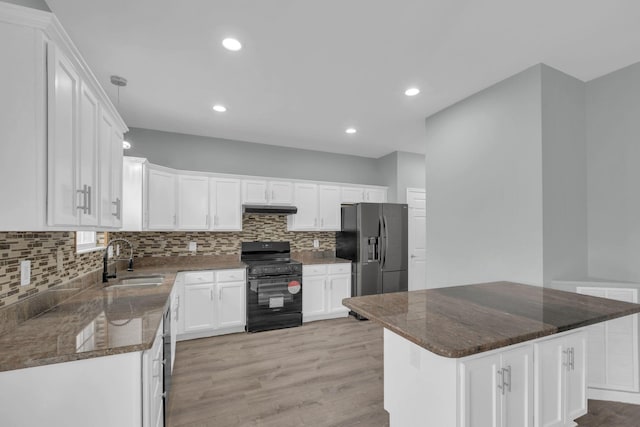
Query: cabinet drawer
column 314, row 270
column 197, row 277
column 230, row 275
column 340, row 269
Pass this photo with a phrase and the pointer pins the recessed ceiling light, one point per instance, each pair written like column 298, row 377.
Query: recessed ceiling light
column 231, row 44
column 219, row 108
column 351, row 130
column 412, row 91
column 126, row 145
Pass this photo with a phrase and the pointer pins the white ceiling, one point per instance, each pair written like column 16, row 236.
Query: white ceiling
column 309, row 69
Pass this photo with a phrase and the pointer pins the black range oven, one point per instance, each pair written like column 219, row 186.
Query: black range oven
column 274, row 286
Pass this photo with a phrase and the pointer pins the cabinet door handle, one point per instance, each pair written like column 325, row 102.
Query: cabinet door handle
column 174, row 220
column 321, row 222
column 89, row 207
column 220, row 293
column 83, row 207
column 273, row 195
column 118, row 208
column 211, row 294
column 573, row 360
column 506, row 384
column 566, row 359
column 500, row 380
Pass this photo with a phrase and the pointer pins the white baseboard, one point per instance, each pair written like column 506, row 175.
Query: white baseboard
column 613, row 395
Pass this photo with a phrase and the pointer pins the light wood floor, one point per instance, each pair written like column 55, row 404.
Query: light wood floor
column 326, row 373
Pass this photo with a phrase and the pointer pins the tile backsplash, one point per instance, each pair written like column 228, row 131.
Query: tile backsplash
column 53, row 261
column 254, row 228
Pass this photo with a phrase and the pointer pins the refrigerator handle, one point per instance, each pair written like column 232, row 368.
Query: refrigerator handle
column 381, row 242
column 385, row 241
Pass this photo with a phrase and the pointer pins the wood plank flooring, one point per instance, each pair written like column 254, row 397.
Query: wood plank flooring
column 324, row 374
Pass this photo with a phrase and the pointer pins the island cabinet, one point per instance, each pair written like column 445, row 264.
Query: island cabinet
column 211, row 303
column 497, row 390
column 561, row 376
column 613, row 366
column 489, row 354
column 324, row 286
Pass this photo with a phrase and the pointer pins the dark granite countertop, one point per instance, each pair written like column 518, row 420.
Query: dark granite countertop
column 96, row 321
column 83, row 319
column 320, row 257
column 464, row 320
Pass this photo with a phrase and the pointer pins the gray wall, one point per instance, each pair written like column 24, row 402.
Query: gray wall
column 564, row 176
column 35, row 4
column 484, row 186
column 206, row 154
column 411, row 173
column 613, row 153
column 387, row 169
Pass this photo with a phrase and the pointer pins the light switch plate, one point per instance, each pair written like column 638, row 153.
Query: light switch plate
column 193, row 246
column 25, row 273
column 316, row 243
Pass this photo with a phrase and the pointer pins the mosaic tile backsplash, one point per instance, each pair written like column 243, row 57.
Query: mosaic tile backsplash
column 254, row 228
column 53, row 261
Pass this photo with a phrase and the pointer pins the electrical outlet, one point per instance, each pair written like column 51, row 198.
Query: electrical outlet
column 316, row 243
column 110, row 252
column 193, row 246
column 25, row 273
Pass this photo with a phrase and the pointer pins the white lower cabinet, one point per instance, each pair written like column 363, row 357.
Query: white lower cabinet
column 613, row 345
column 211, row 303
column 123, row 390
column 560, row 380
column 153, row 383
column 324, row 286
column 497, row 390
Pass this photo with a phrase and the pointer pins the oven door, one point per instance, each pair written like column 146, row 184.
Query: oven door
column 274, row 302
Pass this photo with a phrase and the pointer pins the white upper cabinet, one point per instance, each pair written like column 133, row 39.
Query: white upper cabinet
column 116, row 178
column 88, row 156
column 352, row 195
column 134, row 169
column 263, row 192
column 110, row 172
column 66, row 200
column 359, row 194
column 329, row 207
column 224, row 204
column 161, row 200
column 280, row 193
column 50, row 122
column 375, row 195
column 193, row 202
column 254, row 191
column 318, row 207
column 306, row 200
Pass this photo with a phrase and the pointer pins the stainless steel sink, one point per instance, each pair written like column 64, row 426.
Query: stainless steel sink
column 139, row 281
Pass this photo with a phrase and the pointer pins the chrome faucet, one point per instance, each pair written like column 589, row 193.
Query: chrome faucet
column 105, row 269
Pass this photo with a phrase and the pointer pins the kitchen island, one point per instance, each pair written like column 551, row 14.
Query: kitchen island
column 493, row 354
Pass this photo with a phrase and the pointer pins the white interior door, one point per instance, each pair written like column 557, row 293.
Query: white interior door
column 416, row 199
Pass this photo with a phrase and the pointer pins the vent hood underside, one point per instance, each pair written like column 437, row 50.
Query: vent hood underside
column 269, row 210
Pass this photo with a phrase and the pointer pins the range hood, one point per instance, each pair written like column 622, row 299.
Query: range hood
column 269, row 210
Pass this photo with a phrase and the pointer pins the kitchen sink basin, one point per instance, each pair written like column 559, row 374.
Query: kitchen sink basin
column 139, row 281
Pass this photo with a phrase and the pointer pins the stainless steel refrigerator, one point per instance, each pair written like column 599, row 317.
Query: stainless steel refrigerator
column 374, row 237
